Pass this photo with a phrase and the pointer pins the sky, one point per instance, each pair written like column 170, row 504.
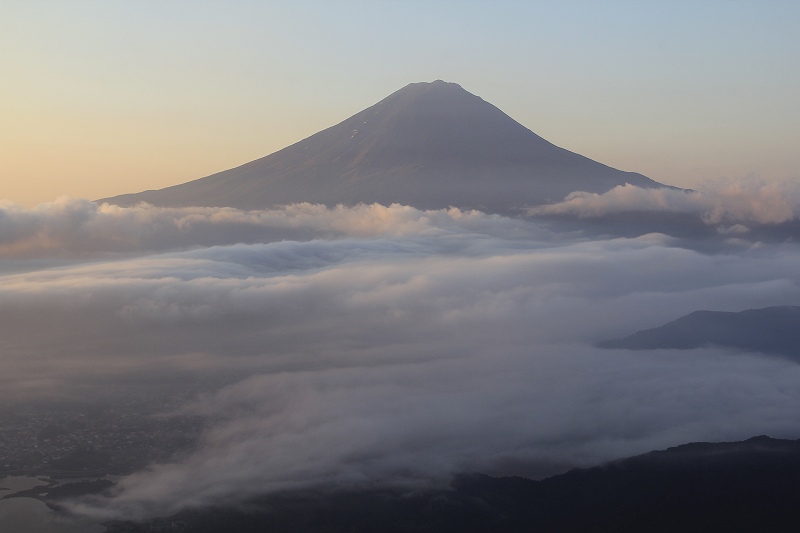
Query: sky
column 103, row 98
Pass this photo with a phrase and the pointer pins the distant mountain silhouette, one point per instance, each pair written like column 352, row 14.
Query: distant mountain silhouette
column 428, row 145
column 774, row 330
column 742, row 486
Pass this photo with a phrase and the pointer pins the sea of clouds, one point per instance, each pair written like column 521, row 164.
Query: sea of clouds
column 387, row 345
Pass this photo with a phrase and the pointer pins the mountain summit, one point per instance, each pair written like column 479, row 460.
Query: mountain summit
column 428, row 145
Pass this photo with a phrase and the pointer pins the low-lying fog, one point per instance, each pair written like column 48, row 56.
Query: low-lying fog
column 375, row 344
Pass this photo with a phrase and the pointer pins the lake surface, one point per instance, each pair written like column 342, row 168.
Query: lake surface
column 12, row 484
column 28, row 515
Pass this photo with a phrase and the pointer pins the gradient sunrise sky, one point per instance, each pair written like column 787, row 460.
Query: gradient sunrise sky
column 106, row 97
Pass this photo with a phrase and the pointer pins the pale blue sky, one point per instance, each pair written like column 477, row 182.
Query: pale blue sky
column 105, row 97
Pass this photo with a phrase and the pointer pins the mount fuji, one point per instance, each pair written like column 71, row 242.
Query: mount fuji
column 428, row 145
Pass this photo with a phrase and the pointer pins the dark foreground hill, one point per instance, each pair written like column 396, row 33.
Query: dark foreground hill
column 428, row 145
column 772, row 330
column 753, row 485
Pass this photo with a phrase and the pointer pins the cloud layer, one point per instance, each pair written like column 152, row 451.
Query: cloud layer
column 72, row 228
column 384, row 344
column 743, row 202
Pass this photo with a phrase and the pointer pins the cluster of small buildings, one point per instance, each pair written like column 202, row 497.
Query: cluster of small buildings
column 71, row 442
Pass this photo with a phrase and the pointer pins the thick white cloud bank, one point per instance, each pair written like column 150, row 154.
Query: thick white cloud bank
column 744, row 202
column 71, row 228
column 368, row 345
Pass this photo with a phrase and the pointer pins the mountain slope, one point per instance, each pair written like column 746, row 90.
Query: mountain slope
column 773, row 330
column 735, row 486
column 429, row 145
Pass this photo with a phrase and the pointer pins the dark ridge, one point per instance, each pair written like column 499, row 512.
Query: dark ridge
column 771, row 330
column 742, row 486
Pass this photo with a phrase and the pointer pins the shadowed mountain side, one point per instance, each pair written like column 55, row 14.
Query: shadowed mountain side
column 690, row 230
column 774, row 330
column 428, row 145
column 685, row 226
column 739, row 486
